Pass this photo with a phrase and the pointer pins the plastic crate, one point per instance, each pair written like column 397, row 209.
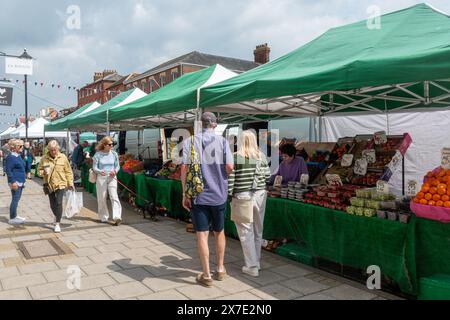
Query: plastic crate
column 296, row 252
column 436, row 287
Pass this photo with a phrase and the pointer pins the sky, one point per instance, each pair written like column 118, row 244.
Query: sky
column 136, row 35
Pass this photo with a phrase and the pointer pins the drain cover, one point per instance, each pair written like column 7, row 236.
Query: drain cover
column 43, row 248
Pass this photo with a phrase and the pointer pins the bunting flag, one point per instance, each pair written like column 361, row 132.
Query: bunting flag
column 43, row 84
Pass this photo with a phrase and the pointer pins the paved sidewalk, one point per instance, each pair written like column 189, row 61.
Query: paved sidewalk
column 139, row 260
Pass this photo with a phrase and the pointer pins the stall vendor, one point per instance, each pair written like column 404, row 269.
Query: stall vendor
column 292, row 167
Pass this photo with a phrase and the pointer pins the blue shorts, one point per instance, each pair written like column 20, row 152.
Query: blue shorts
column 205, row 217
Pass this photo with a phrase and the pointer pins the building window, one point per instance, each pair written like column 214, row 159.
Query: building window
column 144, row 85
column 135, row 85
column 174, row 75
column 151, row 85
column 162, row 80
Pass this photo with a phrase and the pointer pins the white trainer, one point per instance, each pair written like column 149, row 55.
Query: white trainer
column 20, row 218
column 253, row 271
column 57, row 228
column 16, row 221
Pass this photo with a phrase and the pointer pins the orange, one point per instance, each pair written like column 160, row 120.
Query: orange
column 448, row 191
column 442, row 191
column 441, row 173
column 425, row 189
column 440, row 203
column 423, row 201
column 434, row 182
column 420, row 195
column 429, row 174
column 444, row 179
column 442, row 186
column 428, row 196
column 436, row 197
column 445, row 198
column 431, row 203
column 426, row 185
column 433, row 190
column 447, row 204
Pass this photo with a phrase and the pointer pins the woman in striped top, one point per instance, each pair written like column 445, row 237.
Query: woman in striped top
column 248, row 180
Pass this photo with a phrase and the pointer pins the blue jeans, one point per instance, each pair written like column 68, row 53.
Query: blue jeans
column 16, row 194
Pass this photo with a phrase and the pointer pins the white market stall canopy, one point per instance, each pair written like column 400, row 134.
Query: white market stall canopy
column 5, row 134
column 36, row 131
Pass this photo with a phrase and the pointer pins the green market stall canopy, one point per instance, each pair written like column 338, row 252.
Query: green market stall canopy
column 98, row 117
column 172, row 105
column 403, row 65
column 61, row 124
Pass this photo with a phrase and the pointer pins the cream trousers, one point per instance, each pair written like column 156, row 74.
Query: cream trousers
column 108, row 185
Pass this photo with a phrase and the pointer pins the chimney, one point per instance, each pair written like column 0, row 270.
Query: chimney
column 262, row 53
column 98, row 75
column 108, row 72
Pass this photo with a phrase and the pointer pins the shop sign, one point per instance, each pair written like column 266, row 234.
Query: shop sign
column 6, row 94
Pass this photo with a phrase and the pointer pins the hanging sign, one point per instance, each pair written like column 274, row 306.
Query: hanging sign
column 380, row 137
column 369, row 155
column 19, row 66
column 445, row 158
column 347, row 160
column 6, row 94
column 360, row 167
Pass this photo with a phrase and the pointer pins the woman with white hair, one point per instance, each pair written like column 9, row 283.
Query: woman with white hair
column 15, row 170
column 58, row 176
column 248, row 182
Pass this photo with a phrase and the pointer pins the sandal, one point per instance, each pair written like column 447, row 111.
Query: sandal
column 203, row 281
column 219, row 276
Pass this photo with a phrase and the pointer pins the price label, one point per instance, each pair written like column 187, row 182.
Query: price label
column 278, row 181
column 412, row 189
column 304, row 179
column 382, row 187
column 380, row 137
column 370, row 155
column 445, row 162
column 360, row 167
column 395, row 162
column 334, row 180
column 347, row 160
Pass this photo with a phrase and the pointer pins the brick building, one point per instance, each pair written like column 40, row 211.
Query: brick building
column 98, row 89
column 108, row 83
column 167, row 72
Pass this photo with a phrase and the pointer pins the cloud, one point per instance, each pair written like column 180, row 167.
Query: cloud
column 136, row 35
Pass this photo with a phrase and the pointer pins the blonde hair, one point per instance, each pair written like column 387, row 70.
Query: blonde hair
column 247, row 146
column 14, row 143
column 53, row 144
column 103, row 143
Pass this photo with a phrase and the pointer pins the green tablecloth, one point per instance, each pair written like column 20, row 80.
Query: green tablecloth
column 127, row 179
column 404, row 252
column 349, row 240
column 167, row 193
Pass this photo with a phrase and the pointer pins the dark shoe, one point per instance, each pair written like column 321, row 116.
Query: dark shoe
column 118, row 222
column 219, row 276
column 201, row 280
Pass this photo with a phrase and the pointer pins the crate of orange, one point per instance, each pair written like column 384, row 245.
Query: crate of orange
column 433, row 200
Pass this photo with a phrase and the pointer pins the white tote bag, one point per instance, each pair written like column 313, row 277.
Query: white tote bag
column 73, row 203
column 242, row 210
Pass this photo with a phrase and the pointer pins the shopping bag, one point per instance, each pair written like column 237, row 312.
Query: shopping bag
column 242, row 210
column 73, row 203
column 92, row 176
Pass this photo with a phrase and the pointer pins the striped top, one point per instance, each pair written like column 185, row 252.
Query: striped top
column 245, row 173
